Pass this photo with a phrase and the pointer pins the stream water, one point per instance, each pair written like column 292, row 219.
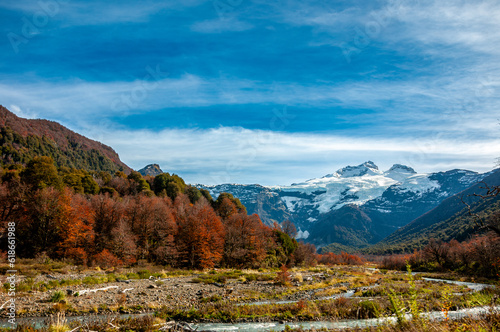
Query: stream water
column 38, row 322
column 472, row 285
column 351, row 323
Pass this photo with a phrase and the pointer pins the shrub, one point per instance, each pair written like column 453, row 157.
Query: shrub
column 283, row 276
column 250, row 277
column 144, row 274
column 298, row 277
column 106, row 259
column 57, row 297
column 369, row 309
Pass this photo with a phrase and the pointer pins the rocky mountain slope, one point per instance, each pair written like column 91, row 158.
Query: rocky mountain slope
column 151, row 170
column 257, row 199
column 449, row 220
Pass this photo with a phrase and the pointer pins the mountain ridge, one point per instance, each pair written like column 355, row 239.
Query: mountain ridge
column 451, row 211
column 23, row 138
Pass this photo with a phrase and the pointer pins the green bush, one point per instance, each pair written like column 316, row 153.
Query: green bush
column 144, row 274
column 57, row 297
column 250, row 277
column 369, row 309
column 132, row 275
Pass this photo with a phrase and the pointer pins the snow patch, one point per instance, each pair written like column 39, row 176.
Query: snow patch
column 418, row 184
column 292, row 202
column 302, row 235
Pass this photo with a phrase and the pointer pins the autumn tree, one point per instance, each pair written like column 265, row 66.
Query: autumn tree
column 78, row 230
column 245, row 241
column 437, row 250
column 289, row 228
column 225, row 208
column 40, row 227
column 221, row 205
column 122, row 243
column 201, row 236
column 107, row 214
column 12, row 196
column 118, row 184
column 152, row 221
column 305, row 254
column 163, row 249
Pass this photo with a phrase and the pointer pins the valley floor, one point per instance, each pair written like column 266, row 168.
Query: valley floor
column 320, row 293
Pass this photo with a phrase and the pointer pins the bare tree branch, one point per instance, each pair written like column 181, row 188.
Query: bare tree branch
column 491, row 191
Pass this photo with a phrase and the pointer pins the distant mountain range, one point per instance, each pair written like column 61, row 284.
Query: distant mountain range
column 356, row 206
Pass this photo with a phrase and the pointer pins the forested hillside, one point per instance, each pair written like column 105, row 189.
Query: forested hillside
column 114, row 219
column 451, row 220
column 22, row 139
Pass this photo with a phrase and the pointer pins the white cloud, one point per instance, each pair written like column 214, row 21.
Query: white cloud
column 474, row 25
column 23, row 113
column 238, row 155
column 445, row 106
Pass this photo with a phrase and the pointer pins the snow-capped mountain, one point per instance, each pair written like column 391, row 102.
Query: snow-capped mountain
column 349, row 185
column 382, row 200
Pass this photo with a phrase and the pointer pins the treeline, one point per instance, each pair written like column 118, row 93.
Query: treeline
column 98, row 218
column 479, row 256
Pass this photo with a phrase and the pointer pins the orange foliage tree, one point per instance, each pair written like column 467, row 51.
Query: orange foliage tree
column 245, row 240
column 201, row 236
column 78, row 229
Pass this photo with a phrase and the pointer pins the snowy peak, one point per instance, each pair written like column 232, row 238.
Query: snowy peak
column 399, row 172
column 368, row 167
column 401, row 169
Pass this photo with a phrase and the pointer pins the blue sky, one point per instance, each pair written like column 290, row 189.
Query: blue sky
column 262, row 92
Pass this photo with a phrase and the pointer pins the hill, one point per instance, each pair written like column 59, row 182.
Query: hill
column 151, row 170
column 22, row 139
column 449, row 220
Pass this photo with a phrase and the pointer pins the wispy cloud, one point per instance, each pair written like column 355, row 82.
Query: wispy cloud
column 250, row 156
column 76, row 13
column 219, row 25
column 474, row 25
column 416, row 107
column 27, row 114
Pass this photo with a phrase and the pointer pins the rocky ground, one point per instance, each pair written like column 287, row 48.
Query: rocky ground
column 144, row 295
